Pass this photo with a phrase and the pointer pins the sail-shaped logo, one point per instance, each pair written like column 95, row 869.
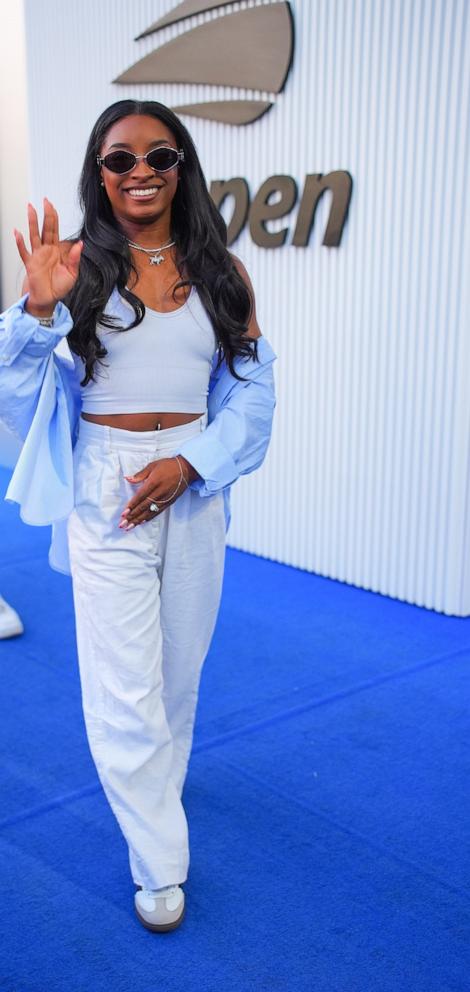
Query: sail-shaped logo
column 249, row 49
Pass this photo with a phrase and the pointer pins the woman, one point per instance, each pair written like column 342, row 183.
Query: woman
column 160, row 319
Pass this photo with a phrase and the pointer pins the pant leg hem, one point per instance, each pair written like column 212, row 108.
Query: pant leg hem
column 170, row 873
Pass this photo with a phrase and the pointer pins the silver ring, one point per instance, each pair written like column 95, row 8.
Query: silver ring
column 154, row 507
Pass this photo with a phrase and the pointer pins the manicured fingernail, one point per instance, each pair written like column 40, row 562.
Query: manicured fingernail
column 129, row 527
column 125, row 512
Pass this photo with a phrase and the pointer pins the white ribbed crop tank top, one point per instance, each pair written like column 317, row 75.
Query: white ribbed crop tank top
column 162, row 365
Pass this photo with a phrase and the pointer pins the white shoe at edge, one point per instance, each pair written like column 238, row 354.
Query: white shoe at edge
column 160, row 909
column 10, row 623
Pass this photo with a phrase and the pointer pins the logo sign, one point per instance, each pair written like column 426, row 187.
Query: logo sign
column 249, row 49
column 261, row 209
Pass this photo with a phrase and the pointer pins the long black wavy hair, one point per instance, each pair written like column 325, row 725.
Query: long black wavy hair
column 202, row 257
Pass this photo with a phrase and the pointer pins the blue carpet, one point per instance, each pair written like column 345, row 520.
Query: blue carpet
column 327, row 797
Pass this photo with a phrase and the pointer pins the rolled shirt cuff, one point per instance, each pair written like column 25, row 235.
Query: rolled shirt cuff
column 212, row 461
column 20, row 331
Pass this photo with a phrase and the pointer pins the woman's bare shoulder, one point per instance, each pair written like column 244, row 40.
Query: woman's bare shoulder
column 253, row 326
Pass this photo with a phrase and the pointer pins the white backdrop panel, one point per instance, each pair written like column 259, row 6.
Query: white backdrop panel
column 366, row 479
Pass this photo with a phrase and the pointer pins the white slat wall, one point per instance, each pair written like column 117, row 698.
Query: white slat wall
column 367, row 476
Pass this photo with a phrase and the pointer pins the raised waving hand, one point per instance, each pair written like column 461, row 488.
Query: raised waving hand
column 51, row 271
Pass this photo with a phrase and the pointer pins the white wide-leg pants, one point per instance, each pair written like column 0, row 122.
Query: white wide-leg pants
column 146, row 603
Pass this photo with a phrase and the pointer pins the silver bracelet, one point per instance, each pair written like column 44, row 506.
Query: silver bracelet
column 49, row 321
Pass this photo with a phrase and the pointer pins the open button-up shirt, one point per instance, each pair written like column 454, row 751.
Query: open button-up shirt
column 40, row 403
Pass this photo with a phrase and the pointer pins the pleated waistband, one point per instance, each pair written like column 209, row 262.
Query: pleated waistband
column 110, row 438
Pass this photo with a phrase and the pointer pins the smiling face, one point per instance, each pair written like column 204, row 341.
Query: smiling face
column 141, row 196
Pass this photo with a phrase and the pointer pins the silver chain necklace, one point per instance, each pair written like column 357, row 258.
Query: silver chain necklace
column 156, row 256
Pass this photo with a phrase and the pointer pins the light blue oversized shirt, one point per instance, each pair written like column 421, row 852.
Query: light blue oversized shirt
column 40, row 403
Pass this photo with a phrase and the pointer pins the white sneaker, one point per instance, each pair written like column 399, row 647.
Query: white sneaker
column 10, row 623
column 160, row 909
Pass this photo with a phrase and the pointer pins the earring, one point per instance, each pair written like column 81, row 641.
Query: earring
column 101, row 183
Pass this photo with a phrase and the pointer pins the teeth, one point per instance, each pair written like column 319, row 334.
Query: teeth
column 143, row 192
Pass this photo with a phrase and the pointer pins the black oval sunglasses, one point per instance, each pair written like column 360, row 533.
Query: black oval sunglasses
column 159, row 159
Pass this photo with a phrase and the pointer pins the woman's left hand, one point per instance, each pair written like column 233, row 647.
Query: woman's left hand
column 160, row 479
